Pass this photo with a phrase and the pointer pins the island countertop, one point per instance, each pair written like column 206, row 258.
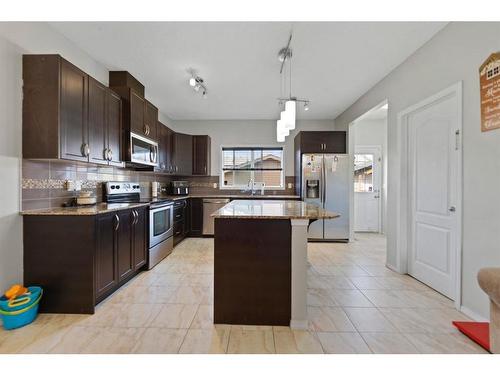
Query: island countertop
column 272, row 209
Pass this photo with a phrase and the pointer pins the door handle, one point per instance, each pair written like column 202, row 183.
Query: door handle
column 85, row 149
column 452, row 209
column 117, row 222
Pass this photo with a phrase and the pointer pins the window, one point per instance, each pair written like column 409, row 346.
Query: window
column 363, row 173
column 260, row 164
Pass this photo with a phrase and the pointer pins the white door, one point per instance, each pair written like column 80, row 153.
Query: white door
column 434, row 192
column 367, row 192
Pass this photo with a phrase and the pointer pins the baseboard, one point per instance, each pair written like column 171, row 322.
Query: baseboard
column 298, row 324
column 473, row 315
column 392, row 268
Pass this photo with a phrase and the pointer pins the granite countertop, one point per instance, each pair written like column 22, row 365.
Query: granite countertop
column 272, row 209
column 98, row 209
column 233, row 196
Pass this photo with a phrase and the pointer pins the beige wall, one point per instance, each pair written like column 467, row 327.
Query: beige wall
column 453, row 55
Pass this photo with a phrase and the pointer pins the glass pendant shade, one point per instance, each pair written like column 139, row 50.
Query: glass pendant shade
column 281, row 131
column 289, row 114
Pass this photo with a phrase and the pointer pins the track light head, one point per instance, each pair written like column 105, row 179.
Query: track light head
column 204, row 94
column 306, row 106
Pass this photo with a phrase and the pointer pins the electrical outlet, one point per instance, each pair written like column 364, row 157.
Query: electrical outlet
column 215, row 185
column 290, row 185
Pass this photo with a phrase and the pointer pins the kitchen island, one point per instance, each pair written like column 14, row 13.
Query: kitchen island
column 260, row 262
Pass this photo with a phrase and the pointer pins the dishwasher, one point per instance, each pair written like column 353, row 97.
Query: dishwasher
column 209, row 207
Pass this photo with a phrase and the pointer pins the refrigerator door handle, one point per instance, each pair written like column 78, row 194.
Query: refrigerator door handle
column 323, row 171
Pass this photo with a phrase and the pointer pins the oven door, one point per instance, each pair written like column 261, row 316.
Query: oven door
column 143, row 151
column 160, row 223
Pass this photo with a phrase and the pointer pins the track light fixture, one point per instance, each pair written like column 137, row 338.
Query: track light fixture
column 197, row 83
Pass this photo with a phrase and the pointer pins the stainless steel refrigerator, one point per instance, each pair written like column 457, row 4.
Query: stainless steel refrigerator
column 325, row 182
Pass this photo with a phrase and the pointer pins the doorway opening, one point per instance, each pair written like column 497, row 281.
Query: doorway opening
column 368, row 149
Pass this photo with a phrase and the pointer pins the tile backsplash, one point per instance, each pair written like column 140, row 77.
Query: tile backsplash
column 43, row 182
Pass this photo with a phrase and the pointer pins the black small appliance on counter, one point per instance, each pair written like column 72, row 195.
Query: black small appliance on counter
column 179, row 188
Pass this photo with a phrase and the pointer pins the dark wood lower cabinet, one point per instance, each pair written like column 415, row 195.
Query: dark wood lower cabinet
column 80, row 260
column 140, row 238
column 124, row 242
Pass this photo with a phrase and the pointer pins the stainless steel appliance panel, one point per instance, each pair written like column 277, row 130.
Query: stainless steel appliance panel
column 158, row 252
column 312, row 170
column 143, row 150
column 161, row 220
column 209, row 207
column 336, row 195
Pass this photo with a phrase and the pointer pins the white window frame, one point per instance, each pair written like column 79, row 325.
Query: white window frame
column 241, row 187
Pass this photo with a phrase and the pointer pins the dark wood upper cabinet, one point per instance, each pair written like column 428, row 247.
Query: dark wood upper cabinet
column 137, row 105
column 55, row 122
column 73, row 116
column 201, row 155
column 114, row 127
column 150, row 120
column 326, row 142
column 68, row 114
column 97, row 122
column 165, row 138
column 182, row 154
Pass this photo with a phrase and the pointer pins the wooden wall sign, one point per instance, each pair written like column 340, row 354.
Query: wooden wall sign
column 489, row 81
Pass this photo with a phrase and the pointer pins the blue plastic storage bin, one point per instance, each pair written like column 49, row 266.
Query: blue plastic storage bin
column 22, row 310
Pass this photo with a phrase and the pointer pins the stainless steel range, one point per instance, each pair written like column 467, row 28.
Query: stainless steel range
column 161, row 212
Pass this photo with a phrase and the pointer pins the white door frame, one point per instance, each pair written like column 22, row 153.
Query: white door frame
column 350, row 148
column 403, row 199
column 369, row 150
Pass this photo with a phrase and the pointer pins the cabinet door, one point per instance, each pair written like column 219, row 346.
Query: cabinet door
column 162, row 147
column 201, row 155
column 169, row 145
column 323, row 142
column 106, row 266
column 140, row 237
column 311, row 142
column 151, row 120
column 183, row 154
column 98, row 137
column 114, row 127
column 196, row 216
column 74, row 132
column 137, row 114
column 335, row 142
column 124, row 244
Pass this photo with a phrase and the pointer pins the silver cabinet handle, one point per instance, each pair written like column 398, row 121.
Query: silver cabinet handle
column 117, row 222
column 136, row 217
column 452, row 209
column 85, row 149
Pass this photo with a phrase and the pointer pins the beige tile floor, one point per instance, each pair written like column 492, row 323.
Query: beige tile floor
column 356, row 305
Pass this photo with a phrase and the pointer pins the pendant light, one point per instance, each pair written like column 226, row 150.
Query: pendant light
column 289, row 115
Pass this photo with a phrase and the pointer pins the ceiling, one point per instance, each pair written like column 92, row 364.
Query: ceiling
column 333, row 63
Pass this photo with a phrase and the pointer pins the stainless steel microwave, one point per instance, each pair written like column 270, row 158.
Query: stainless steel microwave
column 143, row 150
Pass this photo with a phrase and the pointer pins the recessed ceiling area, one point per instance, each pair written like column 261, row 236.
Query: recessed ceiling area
column 333, row 63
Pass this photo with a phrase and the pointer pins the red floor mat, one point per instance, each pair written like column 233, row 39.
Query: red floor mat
column 477, row 331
